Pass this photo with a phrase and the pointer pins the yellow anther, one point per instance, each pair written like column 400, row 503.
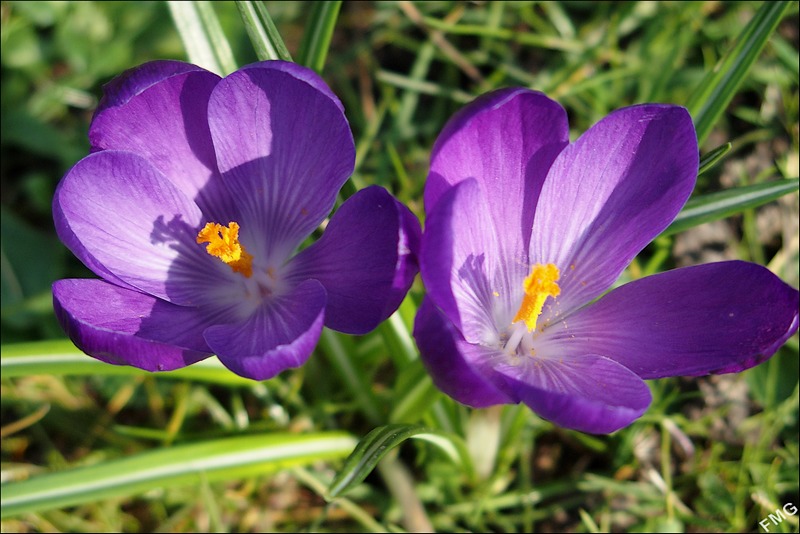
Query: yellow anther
column 539, row 285
column 223, row 243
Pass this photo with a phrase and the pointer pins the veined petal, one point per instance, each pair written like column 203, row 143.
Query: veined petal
column 587, row 393
column 475, row 286
column 138, row 79
column 131, row 221
column 281, row 334
column 460, row 369
column 159, row 111
column 610, row 193
column 366, row 260
column 301, row 73
column 715, row 318
column 285, row 149
column 506, row 140
column 125, row 327
column 71, row 241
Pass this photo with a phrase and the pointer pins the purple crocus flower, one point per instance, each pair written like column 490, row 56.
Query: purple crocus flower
column 197, row 194
column 525, row 231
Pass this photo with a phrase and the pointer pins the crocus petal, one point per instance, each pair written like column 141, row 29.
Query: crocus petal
column 138, row 79
column 159, row 111
column 458, row 368
column 279, row 335
column 71, row 241
column 610, row 193
column 714, row 318
column 366, row 260
column 133, row 222
column 125, row 327
column 285, row 149
column 506, row 140
column 465, row 275
column 587, row 393
column 301, row 73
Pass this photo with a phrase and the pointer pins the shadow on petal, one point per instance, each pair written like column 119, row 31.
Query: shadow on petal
column 589, row 393
column 126, row 327
column 366, row 259
column 280, row 335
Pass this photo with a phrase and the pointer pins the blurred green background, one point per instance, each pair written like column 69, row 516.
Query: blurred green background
column 712, row 454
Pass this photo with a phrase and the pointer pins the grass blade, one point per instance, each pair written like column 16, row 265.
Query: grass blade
column 263, row 34
column 202, row 36
column 318, row 33
column 712, row 158
column 221, row 459
column 341, row 358
column 720, row 85
column 723, row 204
column 383, row 439
column 63, row 358
column 414, row 394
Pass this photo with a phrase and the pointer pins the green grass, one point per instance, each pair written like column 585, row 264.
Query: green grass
column 131, row 451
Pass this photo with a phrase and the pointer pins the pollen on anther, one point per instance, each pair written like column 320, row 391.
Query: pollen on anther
column 539, row 285
column 223, row 243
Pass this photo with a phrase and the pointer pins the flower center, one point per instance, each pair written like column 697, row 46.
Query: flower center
column 539, row 285
column 223, row 243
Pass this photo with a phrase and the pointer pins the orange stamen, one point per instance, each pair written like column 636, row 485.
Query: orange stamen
column 223, row 243
column 539, row 285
